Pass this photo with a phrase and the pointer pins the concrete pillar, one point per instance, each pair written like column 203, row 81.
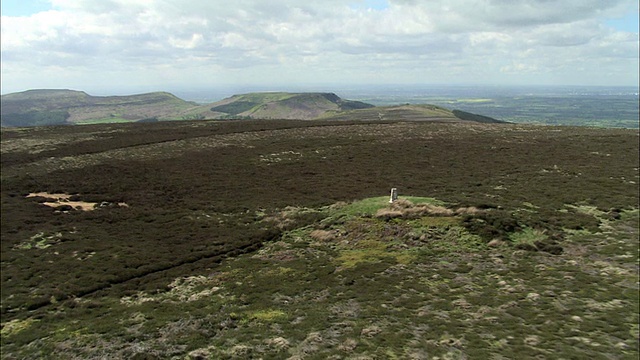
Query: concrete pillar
column 394, row 195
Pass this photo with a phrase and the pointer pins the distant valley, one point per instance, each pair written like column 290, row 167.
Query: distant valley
column 67, row 107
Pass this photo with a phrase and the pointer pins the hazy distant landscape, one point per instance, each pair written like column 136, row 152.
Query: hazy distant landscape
column 552, row 105
column 574, row 106
column 578, row 106
column 47, row 107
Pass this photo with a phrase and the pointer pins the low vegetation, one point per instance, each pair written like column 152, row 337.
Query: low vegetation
column 276, row 240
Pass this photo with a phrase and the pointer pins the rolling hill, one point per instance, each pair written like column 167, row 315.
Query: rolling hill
column 281, row 105
column 64, row 107
column 410, row 112
column 58, row 107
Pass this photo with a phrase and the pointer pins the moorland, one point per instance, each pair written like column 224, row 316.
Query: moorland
column 275, row 239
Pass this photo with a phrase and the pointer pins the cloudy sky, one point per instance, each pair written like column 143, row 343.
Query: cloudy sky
column 115, row 46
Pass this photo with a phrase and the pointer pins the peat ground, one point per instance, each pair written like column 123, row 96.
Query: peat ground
column 223, row 240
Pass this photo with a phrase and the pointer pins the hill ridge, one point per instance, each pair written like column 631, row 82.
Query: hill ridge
column 64, row 107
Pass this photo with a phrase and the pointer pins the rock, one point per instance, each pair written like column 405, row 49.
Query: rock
column 241, row 351
column 495, row 243
column 348, row 345
column 461, row 303
column 533, row 296
column 279, row 343
column 370, row 331
column 199, row 354
column 450, row 342
column 532, row 340
column 621, row 345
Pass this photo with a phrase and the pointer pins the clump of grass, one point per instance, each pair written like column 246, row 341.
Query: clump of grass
column 528, row 238
column 322, row 235
column 587, row 209
column 39, row 241
column 470, row 210
column 269, row 315
column 403, row 208
column 387, row 214
column 367, row 251
column 16, row 326
column 435, row 222
column 278, row 343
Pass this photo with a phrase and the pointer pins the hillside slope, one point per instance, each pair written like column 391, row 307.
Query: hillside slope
column 281, row 105
column 410, row 112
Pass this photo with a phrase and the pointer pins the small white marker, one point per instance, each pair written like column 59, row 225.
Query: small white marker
column 394, row 195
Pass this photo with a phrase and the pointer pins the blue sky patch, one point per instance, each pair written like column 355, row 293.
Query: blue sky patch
column 627, row 23
column 23, row 7
column 371, row 4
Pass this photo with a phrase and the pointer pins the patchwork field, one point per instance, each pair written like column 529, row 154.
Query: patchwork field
column 276, row 240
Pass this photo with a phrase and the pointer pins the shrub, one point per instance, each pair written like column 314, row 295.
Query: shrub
column 528, row 238
column 496, row 224
column 388, row 214
column 406, row 209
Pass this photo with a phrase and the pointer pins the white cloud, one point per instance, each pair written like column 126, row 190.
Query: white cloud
column 213, row 41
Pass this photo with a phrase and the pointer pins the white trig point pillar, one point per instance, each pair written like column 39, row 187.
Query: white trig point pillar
column 394, row 195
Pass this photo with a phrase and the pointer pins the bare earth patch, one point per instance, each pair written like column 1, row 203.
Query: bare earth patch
column 65, row 199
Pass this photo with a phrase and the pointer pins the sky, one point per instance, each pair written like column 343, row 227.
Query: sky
column 128, row 46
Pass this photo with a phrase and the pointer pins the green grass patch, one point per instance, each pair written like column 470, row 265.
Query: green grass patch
column 16, row 326
column 528, row 237
column 587, row 209
column 269, row 315
column 367, row 251
column 236, row 107
column 370, row 206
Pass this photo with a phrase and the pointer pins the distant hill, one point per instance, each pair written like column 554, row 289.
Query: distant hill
column 329, row 106
column 410, row 112
column 63, row 107
column 281, row 105
column 57, row 107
